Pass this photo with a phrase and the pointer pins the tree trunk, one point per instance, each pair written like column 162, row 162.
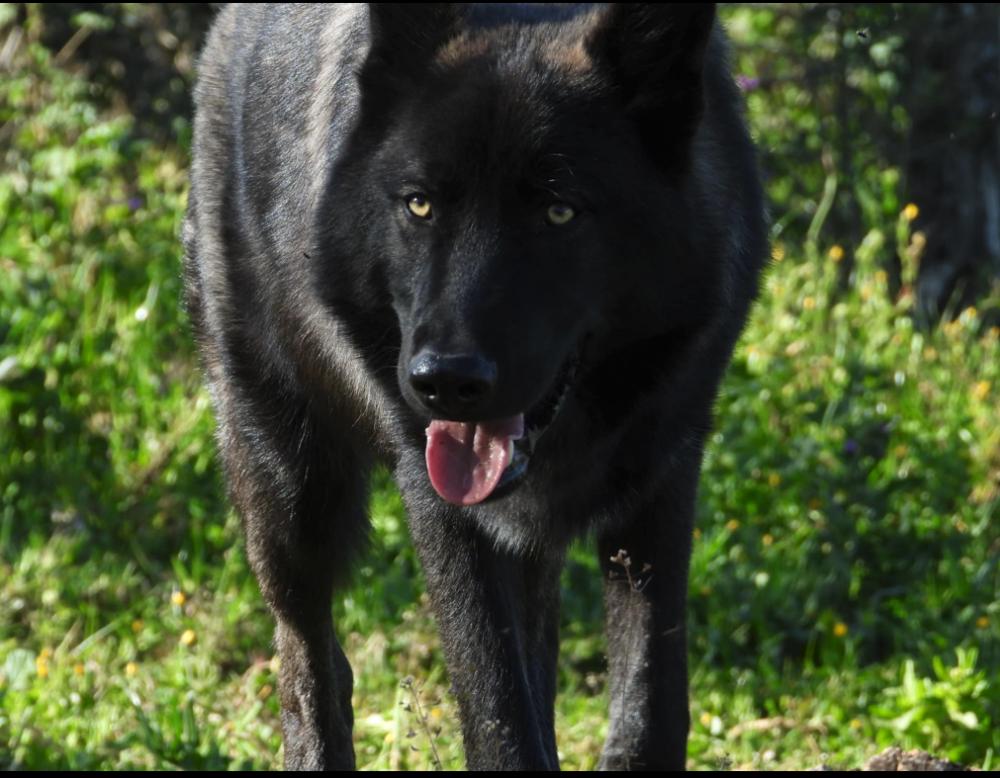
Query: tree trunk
column 952, row 164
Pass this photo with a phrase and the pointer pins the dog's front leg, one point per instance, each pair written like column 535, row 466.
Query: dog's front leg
column 498, row 617
column 303, row 514
column 645, row 569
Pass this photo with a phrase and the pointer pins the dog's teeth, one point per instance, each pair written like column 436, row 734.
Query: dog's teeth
column 510, row 451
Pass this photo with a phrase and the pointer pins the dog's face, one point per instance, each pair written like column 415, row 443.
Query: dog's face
column 515, row 178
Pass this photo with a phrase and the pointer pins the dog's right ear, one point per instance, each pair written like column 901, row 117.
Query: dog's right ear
column 404, row 38
column 655, row 54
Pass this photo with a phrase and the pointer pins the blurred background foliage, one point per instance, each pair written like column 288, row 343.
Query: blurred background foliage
column 844, row 587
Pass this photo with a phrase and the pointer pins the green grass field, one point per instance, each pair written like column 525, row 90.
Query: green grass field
column 844, row 588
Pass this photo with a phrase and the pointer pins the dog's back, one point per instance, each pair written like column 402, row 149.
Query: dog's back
column 506, row 250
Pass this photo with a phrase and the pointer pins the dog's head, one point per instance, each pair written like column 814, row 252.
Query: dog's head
column 518, row 174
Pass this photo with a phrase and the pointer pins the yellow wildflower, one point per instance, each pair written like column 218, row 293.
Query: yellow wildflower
column 983, row 622
column 778, row 252
column 42, row 666
column 131, row 669
column 809, row 303
column 911, row 212
column 705, row 719
column 79, row 669
column 732, row 525
column 836, row 253
column 767, row 540
column 774, row 479
column 137, row 626
column 840, row 629
column 178, row 598
column 981, row 390
column 188, row 638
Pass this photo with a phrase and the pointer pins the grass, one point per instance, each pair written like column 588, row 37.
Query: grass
column 844, row 587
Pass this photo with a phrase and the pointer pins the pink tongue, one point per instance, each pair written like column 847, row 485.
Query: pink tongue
column 465, row 461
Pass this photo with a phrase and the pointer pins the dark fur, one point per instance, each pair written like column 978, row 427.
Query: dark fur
column 310, row 291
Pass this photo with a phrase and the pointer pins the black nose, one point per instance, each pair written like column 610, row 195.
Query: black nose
column 456, row 386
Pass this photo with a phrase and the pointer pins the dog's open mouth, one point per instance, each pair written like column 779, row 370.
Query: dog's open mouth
column 471, row 462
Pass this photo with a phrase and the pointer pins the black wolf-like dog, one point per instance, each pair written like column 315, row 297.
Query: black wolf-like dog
column 506, row 250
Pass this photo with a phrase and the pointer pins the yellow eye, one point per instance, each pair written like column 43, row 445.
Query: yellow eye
column 560, row 214
column 419, row 206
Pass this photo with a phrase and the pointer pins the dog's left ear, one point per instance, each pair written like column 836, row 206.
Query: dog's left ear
column 404, row 37
column 655, row 53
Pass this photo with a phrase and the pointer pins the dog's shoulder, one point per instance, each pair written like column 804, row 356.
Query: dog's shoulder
column 270, row 58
